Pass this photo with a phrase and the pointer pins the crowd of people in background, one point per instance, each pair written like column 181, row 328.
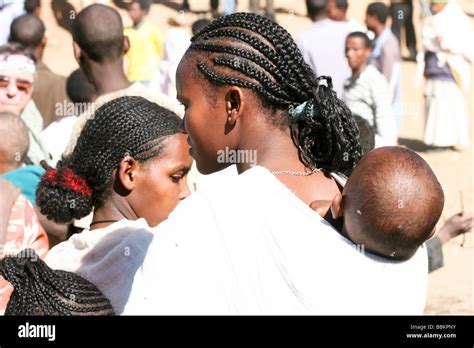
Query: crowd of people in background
column 88, row 160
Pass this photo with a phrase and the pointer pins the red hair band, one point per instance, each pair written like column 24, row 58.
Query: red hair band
column 69, row 180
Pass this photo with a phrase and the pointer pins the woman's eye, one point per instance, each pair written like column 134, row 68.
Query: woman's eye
column 176, row 178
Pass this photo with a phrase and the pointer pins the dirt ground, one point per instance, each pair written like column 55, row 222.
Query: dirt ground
column 450, row 288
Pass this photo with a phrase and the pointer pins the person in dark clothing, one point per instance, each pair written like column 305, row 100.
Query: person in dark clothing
column 402, row 17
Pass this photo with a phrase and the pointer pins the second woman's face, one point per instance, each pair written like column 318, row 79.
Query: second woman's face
column 204, row 119
column 163, row 181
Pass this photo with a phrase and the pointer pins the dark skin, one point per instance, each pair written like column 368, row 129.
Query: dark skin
column 336, row 13
column 373, row 24
column 149, row 190
column 137, row 14
column 38, row 51
column 107, row 77
column 357, row 54
column 235, row 118
column 340, row 212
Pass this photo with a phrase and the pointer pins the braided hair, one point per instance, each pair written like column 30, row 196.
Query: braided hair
column 40, row 290
column 126, row 126
column 253, row 52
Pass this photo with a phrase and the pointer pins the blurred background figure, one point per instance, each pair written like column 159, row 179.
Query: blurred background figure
column 56, row 136
column 49, row 88
column 146, row 44
column 198, row 25
column 17, row 77
column 401, row 12
column 254, row 7
column 230, row 6
column 33, row 7
column 15, row 169
column 386, row 55
column 177, row 41
column 448, row 55
column 337, row 11
column 366, row 92
column 13, row 151
column 9, row 10
column 214, row 4
column 323, row 43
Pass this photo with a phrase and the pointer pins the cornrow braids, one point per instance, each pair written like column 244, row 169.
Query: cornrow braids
column 39, row 290
column 126, row 126
column 253, row 52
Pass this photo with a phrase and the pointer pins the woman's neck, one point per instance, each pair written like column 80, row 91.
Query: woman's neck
column 110, row 212
column 276, row 151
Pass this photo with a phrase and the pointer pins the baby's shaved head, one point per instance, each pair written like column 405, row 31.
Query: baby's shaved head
column 392, row 202
column 15, row 141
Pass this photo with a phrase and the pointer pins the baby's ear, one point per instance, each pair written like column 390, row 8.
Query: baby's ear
column 337, row 206
column 432, row 233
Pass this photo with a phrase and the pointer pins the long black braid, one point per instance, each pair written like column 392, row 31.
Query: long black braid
column 130, row 126
column 251, row 51
column 39, row 290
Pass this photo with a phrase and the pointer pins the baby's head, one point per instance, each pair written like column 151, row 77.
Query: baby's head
column 391, row 202
column 15, row 142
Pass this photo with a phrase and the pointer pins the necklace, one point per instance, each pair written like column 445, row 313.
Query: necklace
column 289, row 172
column 101, row 221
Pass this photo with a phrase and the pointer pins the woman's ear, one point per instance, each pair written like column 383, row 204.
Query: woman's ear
column 337, row 206
column 233, row 104
column 128, row 172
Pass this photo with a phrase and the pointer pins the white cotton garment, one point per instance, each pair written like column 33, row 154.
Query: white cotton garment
column 252, row 247
column 100, row 257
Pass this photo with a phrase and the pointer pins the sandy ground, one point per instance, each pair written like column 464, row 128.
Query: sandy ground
column 450, row 288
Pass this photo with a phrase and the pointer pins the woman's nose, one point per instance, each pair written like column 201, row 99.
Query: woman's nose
column 185, row 192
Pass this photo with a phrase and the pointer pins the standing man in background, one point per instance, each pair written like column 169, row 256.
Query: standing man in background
column 323, row 44
column 386, row 55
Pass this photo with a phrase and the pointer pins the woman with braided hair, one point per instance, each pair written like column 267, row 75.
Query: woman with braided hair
column 253, row 245
column 39, row 290
column 130, row 165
